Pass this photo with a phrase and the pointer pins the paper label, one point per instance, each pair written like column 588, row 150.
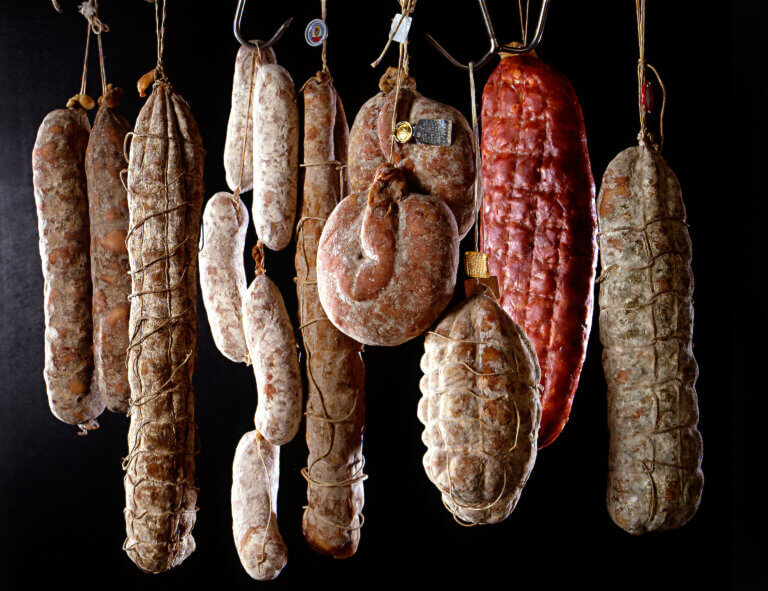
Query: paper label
column 398, row 31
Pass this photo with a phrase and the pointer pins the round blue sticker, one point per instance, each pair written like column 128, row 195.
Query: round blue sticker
column 316, row 32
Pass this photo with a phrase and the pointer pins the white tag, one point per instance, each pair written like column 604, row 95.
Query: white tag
column 402, row 31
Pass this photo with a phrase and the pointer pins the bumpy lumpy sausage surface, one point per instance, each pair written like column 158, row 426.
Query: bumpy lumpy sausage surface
column 540, row 222
column 108, row 205
column 387, row 261
column 165, row 194
column 333, row 364
column 646, row 326
column 480, row 408
column 58, row 169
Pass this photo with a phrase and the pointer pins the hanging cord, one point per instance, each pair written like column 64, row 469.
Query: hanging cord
column 90, row 10
column 524, row 22
column 645, row 136
column 479, row 224
column 323, row 53
column 407, row 7
column 84, row 77
column 160, row 32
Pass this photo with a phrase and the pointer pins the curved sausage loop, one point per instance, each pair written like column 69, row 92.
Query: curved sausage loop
column 261, row 44
column 495, row 47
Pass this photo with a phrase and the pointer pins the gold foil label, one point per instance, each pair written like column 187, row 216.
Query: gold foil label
column 403, row 132
column 476, row 264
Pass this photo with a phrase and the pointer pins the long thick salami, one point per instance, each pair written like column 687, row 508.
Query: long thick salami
column 165, row 193
column 59, row 179
column 540, row 222
column 334, row 367
column 108, row 208
column 646, row 327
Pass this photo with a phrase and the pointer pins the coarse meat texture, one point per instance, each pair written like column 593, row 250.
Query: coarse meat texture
column 386, row 262
column 646, row 327
column 165, row 194
column 59, row 179
column 540, row 221
column 480, row 409
column 447, row 172
column 333, row 365
column 108, row 208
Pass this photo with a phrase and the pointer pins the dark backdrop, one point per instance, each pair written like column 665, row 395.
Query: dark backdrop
column 61, row 496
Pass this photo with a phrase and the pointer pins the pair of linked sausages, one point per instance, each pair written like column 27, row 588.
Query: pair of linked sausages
column 82, row 217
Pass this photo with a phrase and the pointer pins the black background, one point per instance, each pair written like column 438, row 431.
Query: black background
column 61, row 496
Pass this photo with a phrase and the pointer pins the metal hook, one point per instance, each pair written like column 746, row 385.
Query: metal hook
column 261, row 44
column 495, row 47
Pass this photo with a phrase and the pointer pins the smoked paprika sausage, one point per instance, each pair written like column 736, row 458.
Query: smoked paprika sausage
column 108, row 205
column 646, row 327
column 58, row 176
column 540, row 221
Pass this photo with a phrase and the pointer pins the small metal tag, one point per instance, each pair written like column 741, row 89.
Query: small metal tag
column 399, row 31
column 316, row 32
column 433, row 132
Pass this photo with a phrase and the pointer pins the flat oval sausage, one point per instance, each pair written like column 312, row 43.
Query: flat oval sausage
column 222, row 274
column 58, row 176
column 480, row 409
column 108, row 208
column 646, row 327
column 275, row 156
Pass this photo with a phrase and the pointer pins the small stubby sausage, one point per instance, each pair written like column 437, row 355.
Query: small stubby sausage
column 58, row 176
column 238, row 145
column 255, row 480
column 540, row 221
column 386, row 262
column 480, row 409
column 108, row 208
column 275, row 156
column 222, row 274
column 333, row 362
column 447, row 172
column 274, row 354
column 165, row 196
column 646, row 327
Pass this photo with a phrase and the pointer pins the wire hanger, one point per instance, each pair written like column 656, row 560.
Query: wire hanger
column 261, row 44
column 495, row 47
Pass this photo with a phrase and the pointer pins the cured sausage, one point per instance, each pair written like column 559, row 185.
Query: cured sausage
column 646, row 326
column 447, row 172
column 540, row 221
column 58, row 176
column 480, row 409
column 334, row 367
column 386, row 262
column 273, row 352
column 255, row 480
column 238, row 146
column 222, row 275
column 108, row 208
column 165, row 194
column 275, row 156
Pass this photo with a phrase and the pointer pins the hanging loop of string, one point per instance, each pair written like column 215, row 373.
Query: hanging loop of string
column 479, row 224
column 645, row 137
column 90, row 11
column 407, row 7
column 324, row 52
column 160, row 32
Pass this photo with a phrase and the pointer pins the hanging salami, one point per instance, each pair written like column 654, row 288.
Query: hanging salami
column 540, row 221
